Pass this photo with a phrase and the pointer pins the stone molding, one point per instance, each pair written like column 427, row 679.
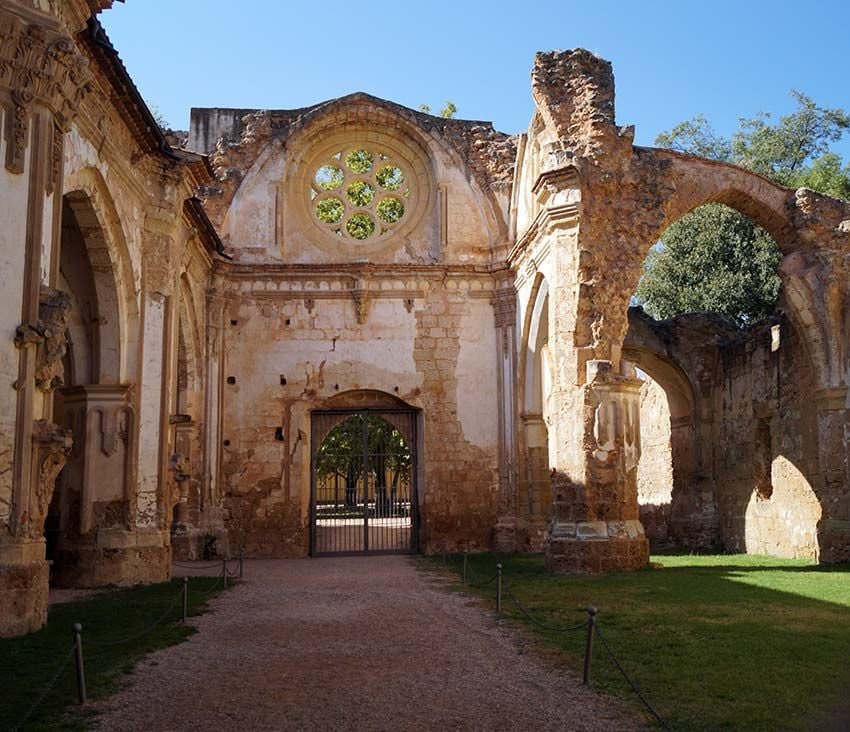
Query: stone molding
column 38, row 65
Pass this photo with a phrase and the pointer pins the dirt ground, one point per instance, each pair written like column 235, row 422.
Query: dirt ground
column 355, row 643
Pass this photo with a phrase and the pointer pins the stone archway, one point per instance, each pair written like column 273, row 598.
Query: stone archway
column 92, row 493
column 364, row 476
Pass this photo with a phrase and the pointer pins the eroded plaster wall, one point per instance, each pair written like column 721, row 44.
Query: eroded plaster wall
column 286, row 355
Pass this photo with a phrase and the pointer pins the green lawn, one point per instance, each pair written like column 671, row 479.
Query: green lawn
column 715, row 642
column 28, row 663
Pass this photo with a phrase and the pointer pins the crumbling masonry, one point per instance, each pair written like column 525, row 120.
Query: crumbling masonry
column 177, row 308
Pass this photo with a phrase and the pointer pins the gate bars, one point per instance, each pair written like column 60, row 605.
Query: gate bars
column 363, row 482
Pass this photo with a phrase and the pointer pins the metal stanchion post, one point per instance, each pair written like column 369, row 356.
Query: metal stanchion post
column 588, row 649
column 77, row 631
column 465, row 559
column 241, row 561
column 224, row 572
column 498, row 590
column 185, row 598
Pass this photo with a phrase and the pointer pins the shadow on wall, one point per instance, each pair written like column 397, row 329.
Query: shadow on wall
column 716, row 468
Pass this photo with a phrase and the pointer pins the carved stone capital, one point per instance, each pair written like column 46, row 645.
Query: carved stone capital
column 38, row 65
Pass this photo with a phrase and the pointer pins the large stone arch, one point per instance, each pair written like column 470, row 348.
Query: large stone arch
column 88, row 194
column 87, row 269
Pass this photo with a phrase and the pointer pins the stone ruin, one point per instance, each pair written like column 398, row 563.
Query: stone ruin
column 183, row 309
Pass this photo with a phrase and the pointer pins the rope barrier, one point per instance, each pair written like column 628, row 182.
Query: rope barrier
column 471, row 571
column 195, row 566
column 544, row 626
column 631, row 683
column 592, row 629
column 215, row 584
column 109, row 644
column 44, row 692
column 479, row 585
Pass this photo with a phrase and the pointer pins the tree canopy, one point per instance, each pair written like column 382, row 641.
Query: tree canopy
column 717, row 260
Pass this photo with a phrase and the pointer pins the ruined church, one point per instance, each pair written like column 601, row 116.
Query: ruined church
column 355, row 327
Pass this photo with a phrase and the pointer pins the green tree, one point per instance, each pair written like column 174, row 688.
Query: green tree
column 388, row 456
column 717, row 260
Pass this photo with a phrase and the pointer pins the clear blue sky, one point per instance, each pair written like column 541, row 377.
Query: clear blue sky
column 672, row 60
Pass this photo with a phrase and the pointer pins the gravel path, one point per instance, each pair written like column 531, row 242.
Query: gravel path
column 359, row 643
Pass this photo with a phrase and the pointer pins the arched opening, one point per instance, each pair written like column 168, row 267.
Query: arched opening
column 535, row 368
column 364, row 482
column 675, row 507
column 91, row 490
column 723, row 411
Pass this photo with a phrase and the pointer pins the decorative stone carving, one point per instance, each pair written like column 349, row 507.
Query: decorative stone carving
column 52, row 445
column 181, row 467
column 48, row 334
column 361, row 305
column 38, row 65
column 504, row 306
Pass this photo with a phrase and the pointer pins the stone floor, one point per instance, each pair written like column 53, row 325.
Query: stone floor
column 359, row 643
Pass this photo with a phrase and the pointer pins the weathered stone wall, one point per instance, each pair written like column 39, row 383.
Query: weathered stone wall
column 741, row 478
column 767, row 480
column 88, row 374
column 431, row 345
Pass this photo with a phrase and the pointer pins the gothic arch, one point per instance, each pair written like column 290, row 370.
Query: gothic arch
column 89, row 197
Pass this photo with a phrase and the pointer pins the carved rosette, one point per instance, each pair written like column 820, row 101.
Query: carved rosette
column 52, row 446
column 38, row 65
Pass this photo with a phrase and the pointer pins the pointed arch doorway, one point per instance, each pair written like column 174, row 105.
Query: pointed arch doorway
column 364, row 481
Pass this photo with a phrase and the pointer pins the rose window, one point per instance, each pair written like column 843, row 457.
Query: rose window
column 360, row 194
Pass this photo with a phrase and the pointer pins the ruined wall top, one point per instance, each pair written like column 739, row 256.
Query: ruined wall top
column 491, row 154
column 574, row 93
column 450, row 197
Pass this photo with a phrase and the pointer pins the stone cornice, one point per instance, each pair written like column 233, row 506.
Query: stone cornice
column 38, row 65
column 563, row 216
column 359, row 280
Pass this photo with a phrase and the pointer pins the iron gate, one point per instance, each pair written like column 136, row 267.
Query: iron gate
column 363, row 482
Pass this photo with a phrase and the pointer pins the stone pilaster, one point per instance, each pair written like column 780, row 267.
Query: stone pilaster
column 504, row 306
column 99, row 544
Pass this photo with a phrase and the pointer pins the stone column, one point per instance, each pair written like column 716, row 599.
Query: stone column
column 596, row 526
column 42, row 83
column 594, row 411
column 156, row 397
